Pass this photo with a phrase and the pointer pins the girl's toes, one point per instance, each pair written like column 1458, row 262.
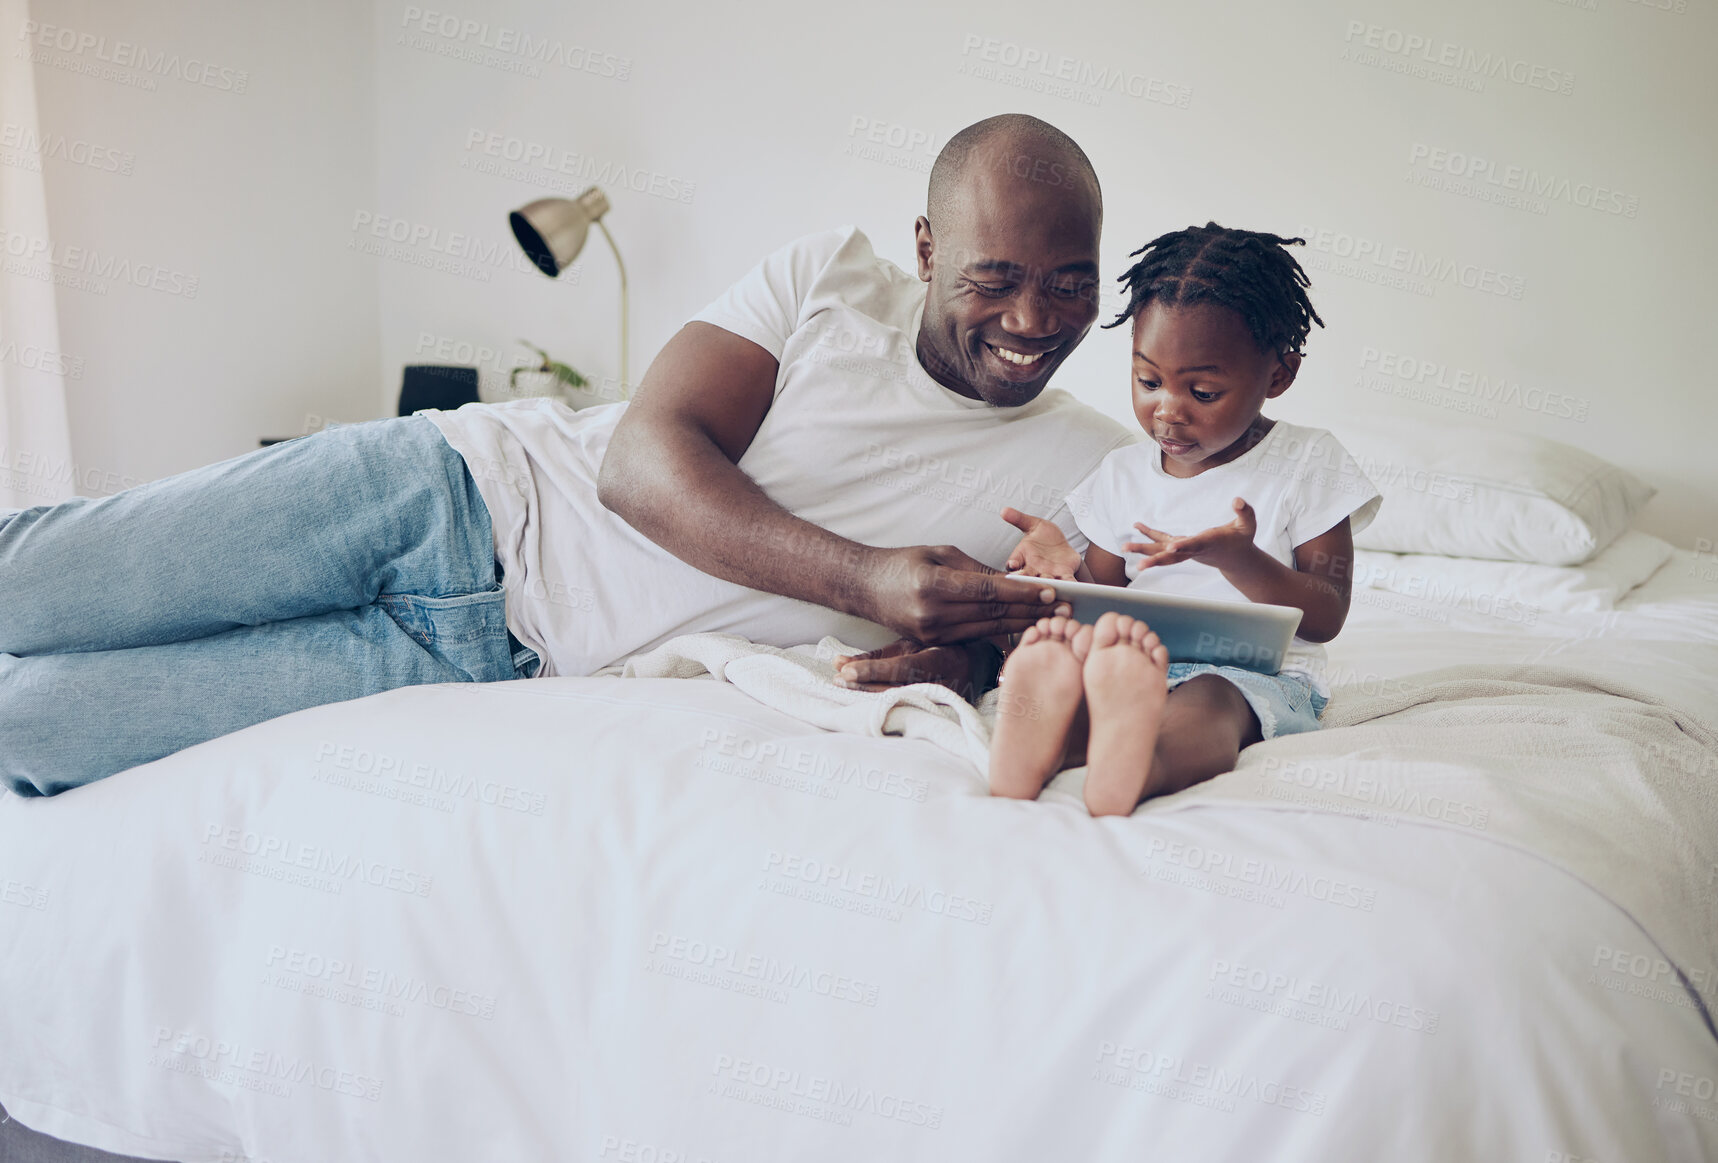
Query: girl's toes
column 1147, row 641
column 1081, row 643
column 1104, row 633
column 1160, row 656
column 1032, row 634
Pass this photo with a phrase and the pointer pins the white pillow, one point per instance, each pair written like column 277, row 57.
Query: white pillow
column 1460, row 491
column 1511, row 586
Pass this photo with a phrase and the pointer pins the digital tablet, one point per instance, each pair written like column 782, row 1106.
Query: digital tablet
column 1250, row 635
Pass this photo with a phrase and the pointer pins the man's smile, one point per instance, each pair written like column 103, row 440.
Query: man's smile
column 1016, row 358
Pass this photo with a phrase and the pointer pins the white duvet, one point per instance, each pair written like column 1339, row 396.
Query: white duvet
column 652, row 920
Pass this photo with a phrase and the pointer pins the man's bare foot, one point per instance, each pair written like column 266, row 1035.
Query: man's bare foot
column 1126, row 678
column 1040, row 693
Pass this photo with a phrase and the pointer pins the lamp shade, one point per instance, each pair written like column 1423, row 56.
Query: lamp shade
column 552, row 230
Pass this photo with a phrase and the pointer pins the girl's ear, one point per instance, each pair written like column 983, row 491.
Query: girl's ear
column 1288, row 364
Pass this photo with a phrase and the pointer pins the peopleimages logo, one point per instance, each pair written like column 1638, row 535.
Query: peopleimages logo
column 961, row 482
column 873, row 887
column 22, row 463
column 338, row 972
column 29, row 251
column 381, row 767
column 1412, row 264
column 1463, row 61
column 1391, row 786
column 769, row 972
column 1303, row 998
column 773, row 761
column 1525, row 187
column 890, row 143
column 817, row 1096
column 126, row 55
column 541, row 162
column 1699, row 1087
column 463, row 38
column 41, row 359
column 32, row 144
column 1646, row 975
column 1466, row 382
column 1176, row 1076
column 255, row 1067
column 451, row 251
column 14, row 892
column 272, row 856
column 1060, row 75
column 1257, row 873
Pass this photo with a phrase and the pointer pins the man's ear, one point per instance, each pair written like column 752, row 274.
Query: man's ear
column 1288, row 365
column 923, row 245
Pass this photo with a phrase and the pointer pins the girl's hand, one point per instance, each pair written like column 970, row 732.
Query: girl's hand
column 1043, row 552
column 1221, row 546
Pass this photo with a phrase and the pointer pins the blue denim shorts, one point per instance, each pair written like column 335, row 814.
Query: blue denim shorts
column 1286, row 704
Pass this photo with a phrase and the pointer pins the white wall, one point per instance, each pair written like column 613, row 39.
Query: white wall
column 222, row 190
column 744, row 120
column 1602, row 310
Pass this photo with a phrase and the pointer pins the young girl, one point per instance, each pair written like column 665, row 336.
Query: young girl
column 1219, row 318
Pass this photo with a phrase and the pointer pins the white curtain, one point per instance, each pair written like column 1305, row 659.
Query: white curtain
column 35, row 447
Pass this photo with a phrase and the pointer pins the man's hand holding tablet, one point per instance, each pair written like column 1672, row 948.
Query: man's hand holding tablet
column 946, row 606
column 939, row 595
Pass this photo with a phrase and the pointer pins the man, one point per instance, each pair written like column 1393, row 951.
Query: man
column 788, row 456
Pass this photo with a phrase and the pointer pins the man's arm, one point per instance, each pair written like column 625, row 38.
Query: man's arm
column 671, row 472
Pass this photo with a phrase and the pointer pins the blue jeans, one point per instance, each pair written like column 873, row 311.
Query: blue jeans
column 349, row 562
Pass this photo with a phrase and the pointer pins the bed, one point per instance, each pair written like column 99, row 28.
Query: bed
column 656, row 920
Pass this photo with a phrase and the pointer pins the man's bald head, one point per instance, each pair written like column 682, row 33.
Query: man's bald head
column 1010, row 144
column 1009, row 248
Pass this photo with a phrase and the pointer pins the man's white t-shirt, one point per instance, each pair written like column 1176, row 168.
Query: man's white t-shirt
column 859, row 440
column 1300, row 482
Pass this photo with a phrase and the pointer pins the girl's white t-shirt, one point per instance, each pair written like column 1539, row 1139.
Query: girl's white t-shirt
column 1300, row 482
column 858, row 439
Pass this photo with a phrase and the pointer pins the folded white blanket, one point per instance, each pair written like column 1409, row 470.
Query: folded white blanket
column 801, row 682
column 1601, row 759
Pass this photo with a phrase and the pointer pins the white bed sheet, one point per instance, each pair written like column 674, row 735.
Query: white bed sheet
column 1678, row 603
column 523, row 886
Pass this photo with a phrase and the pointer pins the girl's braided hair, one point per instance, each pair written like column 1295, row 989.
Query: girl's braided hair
column 1245, row 270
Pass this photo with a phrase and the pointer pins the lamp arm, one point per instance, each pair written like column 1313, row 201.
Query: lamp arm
column 625, row 383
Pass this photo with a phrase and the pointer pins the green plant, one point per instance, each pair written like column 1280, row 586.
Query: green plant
column 563, row 372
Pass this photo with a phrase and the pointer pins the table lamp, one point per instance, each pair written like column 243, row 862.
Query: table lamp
column 552, row 231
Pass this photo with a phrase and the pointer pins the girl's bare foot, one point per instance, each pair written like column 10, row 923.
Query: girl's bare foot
column 1126, row 678
column 1040, row 693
